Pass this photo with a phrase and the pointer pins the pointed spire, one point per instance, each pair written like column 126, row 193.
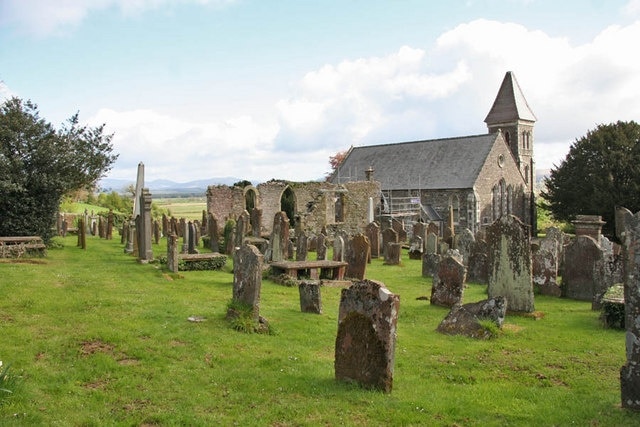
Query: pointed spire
column 510, row 104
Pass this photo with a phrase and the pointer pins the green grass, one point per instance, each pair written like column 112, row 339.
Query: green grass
column 189, row 208
column 95, row 338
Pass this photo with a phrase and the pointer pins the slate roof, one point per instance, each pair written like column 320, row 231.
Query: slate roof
column 510, row 104
column 432, row 164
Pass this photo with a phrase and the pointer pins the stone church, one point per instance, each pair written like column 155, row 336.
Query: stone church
column 475, row 178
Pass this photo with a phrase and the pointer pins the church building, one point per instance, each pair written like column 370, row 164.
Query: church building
column 477, row 178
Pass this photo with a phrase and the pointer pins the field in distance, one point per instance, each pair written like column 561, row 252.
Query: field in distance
column 189, row 208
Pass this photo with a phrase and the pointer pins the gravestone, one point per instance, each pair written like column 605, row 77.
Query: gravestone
column 431, row 245
column 156, row 232
column 398, row 227
column 463, row 241
column 310, row 301
column 372, row 232
column 192, row 238
column 583, row 269
column 448, row 282
column 388, row 236
column 466, row 319
column 393, row 253
column 357, row 254
column 415, row 248
column 242, row 228
column 478, row 266
column 110, row 219
column 321, row 247
column 256, row 222
column 301, row 246
column 172, row 252
column 338, row 249
column 509, row 261
column 433, row 228
column 247, row 278
column 430, row 264
column 420, row 230
column 212, row 231
column 366, row 339
column 544, row 260
column 279, row 242
column 145, row 251
column 628, row 231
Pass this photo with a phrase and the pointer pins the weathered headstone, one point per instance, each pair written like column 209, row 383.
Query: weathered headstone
column 192, row 238
column 393, row 253
column 213, row 232
column 430, row 264
column 310, row 300
column 415, row 247
column 172, row 252
column 583, row 269
column 145, row 251
column 478, row 267
column 628, row 231
column 372, row 232
column 247, row 277
column 301, row 246
column 321, row 247
column 509, row 260
column 420, row 230
column 279, row 243
column 398, row 227
column 357, row 254
column 448, row 282
column 256, row 222
column 544, row 260
column 466, row 319
column 431, row 245
column 366, row 339
column 388, row 236
column 463, row 241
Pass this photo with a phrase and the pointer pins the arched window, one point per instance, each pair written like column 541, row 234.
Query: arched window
column 526, row 174
column 288, row 205
column 503, row 197
column 454, row 202
column 249, row 200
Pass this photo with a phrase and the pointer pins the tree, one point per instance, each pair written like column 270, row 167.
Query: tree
column 335, row 161
column 39, row 165
column 601, row 170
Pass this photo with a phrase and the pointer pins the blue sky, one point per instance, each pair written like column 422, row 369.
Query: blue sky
column 260, row 89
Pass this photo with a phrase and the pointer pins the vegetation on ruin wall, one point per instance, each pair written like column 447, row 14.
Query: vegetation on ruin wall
column 95, row 338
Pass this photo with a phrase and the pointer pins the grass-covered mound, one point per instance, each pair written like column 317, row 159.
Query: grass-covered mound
column 94, row 338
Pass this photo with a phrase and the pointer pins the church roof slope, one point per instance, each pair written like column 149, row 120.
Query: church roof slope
column 510, row 104
column 432, row 164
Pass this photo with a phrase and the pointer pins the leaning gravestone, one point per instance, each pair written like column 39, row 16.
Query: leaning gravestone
column 583, row 269
column 357, row 254
column 247, row 278
column 509, row 261
column 366, row 339
column 628, row 231
column 310, row 301
column 301, row 246
column 448, row 282
column 544, row 259
column 466, row 319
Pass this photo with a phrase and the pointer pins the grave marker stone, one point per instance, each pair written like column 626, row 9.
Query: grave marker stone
column 509, row 260
column 373, row 234
column 247, row 278
column 448, row 282
column 357, row 255
column 366, row 339
column 310, row 300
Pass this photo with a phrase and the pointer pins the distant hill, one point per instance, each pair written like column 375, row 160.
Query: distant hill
column 165, row 187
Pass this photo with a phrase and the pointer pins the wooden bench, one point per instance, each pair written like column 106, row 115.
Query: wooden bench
column 17, row 246
column 330, row 270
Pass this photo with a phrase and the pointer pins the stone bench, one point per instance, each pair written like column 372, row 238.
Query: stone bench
column 330, row 270
column 17, row 246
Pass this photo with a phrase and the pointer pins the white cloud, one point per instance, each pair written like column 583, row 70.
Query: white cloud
column 44, row 17
column 632, row 8
column 410, row 94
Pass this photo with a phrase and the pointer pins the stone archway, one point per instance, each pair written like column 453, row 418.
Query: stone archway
column 288, row 205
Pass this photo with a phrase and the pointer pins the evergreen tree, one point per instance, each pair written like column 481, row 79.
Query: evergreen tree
column 39, row 165
column 601, row 171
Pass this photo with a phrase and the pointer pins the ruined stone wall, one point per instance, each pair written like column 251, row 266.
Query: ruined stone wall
column 315, row 204
column 225, row 202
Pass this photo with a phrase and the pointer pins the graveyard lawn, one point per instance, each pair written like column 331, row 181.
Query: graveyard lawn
column 98, row 339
